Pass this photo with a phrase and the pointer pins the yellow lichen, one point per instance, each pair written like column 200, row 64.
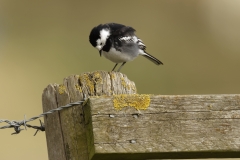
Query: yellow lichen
column 97, row 77
column 112, row 75
column 133, row 87
column 78, row 88
column 123, row 82
column 61, row 89
column 86, row 79
column 138, row 101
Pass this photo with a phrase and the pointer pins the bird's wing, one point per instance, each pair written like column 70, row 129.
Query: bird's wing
column 133, row 39
column 119, row 30
column 125, row 34
column 141, row 45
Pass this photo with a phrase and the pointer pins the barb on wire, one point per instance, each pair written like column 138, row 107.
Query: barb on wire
column 17, row 124
column 38, row 128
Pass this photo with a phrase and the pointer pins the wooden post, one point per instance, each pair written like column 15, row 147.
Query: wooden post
column 66, row 130
column 126, row 126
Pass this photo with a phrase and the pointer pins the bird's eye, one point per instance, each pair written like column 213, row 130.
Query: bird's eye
column 100, row 43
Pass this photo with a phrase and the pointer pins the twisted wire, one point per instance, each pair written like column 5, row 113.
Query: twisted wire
column 16, row 124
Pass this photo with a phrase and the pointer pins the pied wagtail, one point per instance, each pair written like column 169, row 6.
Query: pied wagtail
column 118, row 43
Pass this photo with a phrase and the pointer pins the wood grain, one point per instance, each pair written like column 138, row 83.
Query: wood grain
column 66, row 130
column 56, row 139
column 187, row 126
column 116, row 123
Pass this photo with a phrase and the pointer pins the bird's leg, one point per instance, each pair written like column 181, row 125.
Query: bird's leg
column 115, row 66
column 121, row 66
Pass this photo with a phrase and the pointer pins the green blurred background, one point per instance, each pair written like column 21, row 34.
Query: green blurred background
column 42, row 42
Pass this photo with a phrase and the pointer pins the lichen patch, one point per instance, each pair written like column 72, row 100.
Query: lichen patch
column 78, row 88
column 137, row 101
column 61, row 89
column 86, row 79
column 97, row 78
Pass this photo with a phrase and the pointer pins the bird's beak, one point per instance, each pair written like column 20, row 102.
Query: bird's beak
column 100, row 50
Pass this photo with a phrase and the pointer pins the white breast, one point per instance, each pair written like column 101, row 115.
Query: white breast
column 118, row 57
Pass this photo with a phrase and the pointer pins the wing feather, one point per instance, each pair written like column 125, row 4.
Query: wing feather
column 120, row 30
column 125, row 34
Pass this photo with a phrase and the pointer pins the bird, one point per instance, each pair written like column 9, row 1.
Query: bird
column 119, row 44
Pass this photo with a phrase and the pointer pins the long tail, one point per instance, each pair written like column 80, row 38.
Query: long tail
column 153, row 59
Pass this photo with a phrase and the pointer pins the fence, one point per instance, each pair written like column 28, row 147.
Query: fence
column 116, row 123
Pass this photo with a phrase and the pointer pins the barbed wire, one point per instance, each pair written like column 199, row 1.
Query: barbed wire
column 17, row 124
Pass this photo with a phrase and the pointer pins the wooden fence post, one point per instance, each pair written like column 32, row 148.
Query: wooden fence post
column 66, row 130
column 126, row 126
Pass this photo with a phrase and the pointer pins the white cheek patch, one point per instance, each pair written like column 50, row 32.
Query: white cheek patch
column 104, row 34
column 98, row 46
column 98, row 41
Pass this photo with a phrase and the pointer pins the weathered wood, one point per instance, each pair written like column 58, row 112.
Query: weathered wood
column 113, row 125
column 187, row 126
column 66, row 130
column 49, row 102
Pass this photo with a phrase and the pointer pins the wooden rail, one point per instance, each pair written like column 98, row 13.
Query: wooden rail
column 116, row 123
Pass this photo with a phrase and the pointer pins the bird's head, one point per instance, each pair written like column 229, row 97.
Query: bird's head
column 98, row 36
